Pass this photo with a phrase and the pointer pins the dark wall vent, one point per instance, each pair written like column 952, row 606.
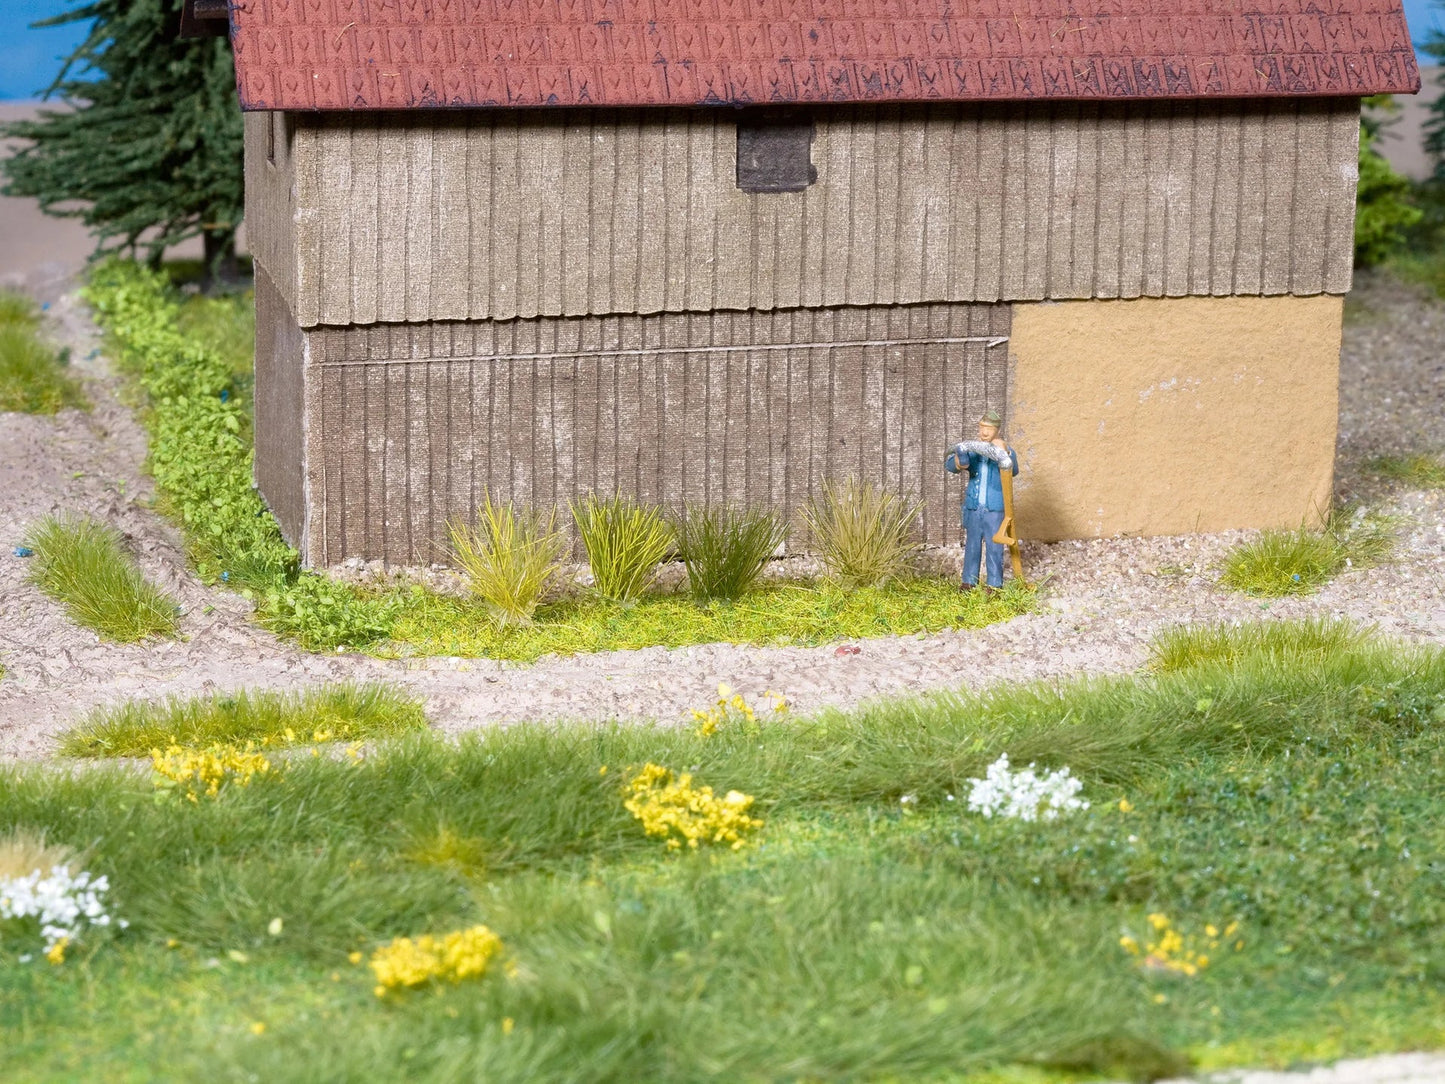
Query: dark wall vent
column 775, row 152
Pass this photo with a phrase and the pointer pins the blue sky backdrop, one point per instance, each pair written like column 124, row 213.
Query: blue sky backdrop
column 29, row 58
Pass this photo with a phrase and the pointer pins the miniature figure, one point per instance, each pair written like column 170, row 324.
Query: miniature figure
column 985, row 461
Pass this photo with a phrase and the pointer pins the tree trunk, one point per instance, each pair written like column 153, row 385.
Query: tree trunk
column 222, row 270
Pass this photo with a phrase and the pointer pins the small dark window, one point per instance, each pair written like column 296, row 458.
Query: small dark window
column 271, row 139
column 775, row 152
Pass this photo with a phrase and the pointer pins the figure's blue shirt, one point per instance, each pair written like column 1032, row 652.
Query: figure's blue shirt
column 982, row 475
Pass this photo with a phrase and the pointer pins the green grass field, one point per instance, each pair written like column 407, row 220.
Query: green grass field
column 1289, row 786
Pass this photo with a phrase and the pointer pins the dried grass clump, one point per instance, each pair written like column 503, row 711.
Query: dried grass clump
column 23, row 851
column 863, row 534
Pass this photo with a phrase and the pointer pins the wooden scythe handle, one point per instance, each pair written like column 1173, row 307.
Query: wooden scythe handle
column 1007, row 533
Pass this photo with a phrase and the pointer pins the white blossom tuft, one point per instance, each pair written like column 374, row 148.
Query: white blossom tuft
column 59, row 902
column 1024, row 794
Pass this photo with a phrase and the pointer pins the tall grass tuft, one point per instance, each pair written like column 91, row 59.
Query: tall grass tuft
column 725, row 548
column 16, row 309
column 343, row 712
column 624, row 540
column 1299, row 562
column 1312, row 640
column 1418, row 470
column 24, row 851
column 33, row 379
column 863, row 533
column 83, row 565
column 509, row 557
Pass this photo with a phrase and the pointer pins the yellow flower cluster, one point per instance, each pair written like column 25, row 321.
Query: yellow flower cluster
column 462, row 954
column 676, row 810
column 731, row 705
column 203, row 771
column 338, row 732
column 56, row 952
column 1170, row 950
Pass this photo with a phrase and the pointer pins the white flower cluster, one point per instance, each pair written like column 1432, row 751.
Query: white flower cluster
column 1024, row 794
column 59, row 901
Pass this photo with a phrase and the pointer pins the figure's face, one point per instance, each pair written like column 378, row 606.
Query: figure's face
column 987, row 431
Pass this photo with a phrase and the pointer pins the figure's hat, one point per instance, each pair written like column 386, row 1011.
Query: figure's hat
column 992, row 417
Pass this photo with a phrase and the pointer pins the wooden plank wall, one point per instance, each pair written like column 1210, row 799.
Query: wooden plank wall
column 410, row 424
column 433, row 216
column 270, row 201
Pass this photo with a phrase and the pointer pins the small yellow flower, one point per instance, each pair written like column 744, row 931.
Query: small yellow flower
column 56, row 952
column 1211, row 930
column 1125, row 806
column 354, row 957
column 603, row 770
column 258, row 1028
column 274, row 927
column 507, row 1025
column 1160, row 999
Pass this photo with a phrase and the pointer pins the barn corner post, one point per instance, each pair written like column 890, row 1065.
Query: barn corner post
column 535, row 275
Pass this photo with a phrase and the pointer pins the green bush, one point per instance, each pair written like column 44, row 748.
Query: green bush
column 726, row 548
column 509, row 557
column 83, row 565
column 1299, row 562
column 624, row 541
column 1384, row 212
column 863, row 534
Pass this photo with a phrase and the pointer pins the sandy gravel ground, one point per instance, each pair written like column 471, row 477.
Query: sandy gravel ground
column 1103, row 599
column 1386, row 1069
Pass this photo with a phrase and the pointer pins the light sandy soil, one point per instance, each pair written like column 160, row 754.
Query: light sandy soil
column 1102, row 599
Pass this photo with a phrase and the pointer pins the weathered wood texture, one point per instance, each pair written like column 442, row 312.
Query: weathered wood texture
column 408, row 424
column 438, row 216
column 270, row 200
column 279, row 418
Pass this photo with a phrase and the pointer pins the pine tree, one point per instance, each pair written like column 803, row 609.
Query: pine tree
column 151, row 146
column 1434, row 46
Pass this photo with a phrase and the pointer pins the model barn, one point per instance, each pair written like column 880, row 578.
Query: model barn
column 720, row 250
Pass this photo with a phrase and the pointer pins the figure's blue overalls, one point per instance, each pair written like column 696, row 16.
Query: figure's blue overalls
column 982, row 513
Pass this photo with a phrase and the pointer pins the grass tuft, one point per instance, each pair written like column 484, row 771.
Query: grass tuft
column 1418, row 470
column 1280, row 563
column 83, row 565
column 625, row 542
column 863, row 534
column 508, row 557
column 726, row 548
column 33, row 377
column 17, row 309
column 1309, row 640
column 24, row 851
column 343, row 712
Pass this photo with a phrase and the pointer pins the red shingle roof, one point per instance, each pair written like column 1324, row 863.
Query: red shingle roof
column 409, row 54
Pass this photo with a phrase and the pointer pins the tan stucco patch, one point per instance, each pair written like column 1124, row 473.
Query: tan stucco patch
column 1166, row 416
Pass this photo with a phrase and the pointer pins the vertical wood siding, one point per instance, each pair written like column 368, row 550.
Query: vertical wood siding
column 424, row 217
column 410, row 424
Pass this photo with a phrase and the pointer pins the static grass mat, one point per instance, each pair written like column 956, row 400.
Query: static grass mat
column 775, row 613
column 272, row 719
column 1279, row 563
column 1273, row 819
column 83, row 564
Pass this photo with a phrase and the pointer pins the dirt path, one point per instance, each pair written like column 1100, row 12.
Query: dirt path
column 1103, row 599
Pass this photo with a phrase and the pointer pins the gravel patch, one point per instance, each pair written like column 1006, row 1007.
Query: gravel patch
column 1102, row 599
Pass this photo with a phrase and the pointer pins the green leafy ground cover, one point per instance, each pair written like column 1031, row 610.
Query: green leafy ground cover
column 1292, row 789
column 189, row 360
